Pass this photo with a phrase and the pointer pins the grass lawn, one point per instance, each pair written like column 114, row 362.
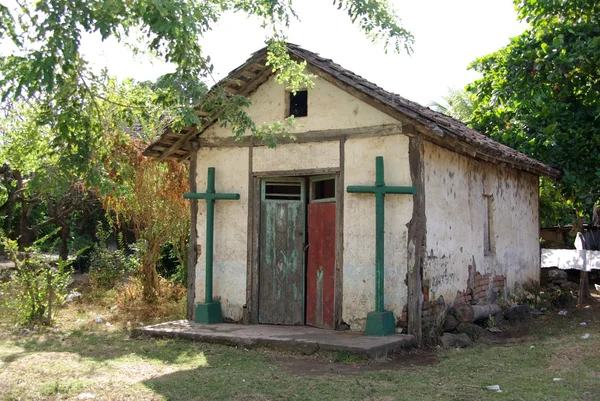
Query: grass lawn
column 83, row 357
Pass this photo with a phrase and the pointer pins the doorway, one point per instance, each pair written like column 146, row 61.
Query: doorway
column 297, row 251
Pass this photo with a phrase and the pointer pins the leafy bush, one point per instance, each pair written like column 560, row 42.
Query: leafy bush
column 107, row 266
column 36, row 286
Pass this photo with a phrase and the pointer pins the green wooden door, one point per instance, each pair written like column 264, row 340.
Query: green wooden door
column 281, row 271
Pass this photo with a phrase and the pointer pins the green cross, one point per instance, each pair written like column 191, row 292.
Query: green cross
column 380, row 189
column 210, row 196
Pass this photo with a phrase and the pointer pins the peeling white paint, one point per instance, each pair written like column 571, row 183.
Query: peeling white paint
column 454, row 193
column 455, row 208
column 231, row 228
column 328, row 108
column 359, row 227
column 296, row 156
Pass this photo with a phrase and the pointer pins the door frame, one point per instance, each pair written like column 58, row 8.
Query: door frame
column 304, row 188
column 254, row 207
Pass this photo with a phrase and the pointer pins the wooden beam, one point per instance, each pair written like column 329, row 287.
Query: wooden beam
column 193, row 246
column 248, row 74
column 338, row 297
column 297, row 173
column 248, row 310
column 310, row 136
column 229, row 89
column 416, row 240
column 192, row 131
column 255, row 244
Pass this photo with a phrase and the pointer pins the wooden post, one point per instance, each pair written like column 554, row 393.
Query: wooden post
column 580, row 246
column 193, row 247
column 416, row 241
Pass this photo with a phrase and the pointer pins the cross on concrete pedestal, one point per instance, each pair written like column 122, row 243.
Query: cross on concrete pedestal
column 380, row 322
column 209, row 311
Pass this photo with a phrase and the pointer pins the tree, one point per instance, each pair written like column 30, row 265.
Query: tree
column 541, row 94
column 32, row 178
column 458, row 104
column 48, row 64
column 154, row 204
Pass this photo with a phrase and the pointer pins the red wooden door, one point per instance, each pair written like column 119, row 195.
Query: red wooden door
column 320, row 269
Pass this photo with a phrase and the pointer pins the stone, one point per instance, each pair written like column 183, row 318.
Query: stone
column 463, row 313
column 450, row 323
column 73, row 295
column 472, row 330
column 518, row 313
column 557, row 274
column 460, row 340
column 302, row 339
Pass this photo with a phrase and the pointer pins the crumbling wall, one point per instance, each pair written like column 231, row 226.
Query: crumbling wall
column 481, row 288
column 463, row 197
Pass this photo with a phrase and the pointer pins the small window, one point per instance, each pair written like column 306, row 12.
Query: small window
column 323, row 190
column 298, row 105
column 283, row 191
column 488, row 220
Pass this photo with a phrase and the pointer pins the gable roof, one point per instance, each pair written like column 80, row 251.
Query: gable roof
column 436, row 127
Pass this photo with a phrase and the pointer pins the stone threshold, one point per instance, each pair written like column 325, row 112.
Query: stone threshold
column 302, row 339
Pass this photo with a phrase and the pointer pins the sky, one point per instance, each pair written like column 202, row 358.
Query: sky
column 449, row 35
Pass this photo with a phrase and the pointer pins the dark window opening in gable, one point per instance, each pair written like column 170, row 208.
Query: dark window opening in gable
column 298, row 104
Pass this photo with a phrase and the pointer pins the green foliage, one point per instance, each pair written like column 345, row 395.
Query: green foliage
column 458, row 104
column 541, row 93
column 555, row 210
column 49, row 67
column 290, row 73
column 107, row 266
column 36, row 287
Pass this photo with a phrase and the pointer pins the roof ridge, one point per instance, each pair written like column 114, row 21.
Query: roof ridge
column 439, row 123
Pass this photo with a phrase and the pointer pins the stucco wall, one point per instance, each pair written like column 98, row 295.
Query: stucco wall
column 231, row 227
column 328, row 108
column 359, row 227
column 296, row 156
column 455, row 207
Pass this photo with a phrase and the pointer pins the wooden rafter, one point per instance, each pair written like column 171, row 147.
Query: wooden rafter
column 192, row 131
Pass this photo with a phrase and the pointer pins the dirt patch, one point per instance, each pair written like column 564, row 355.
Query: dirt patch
column 515, row 333
column 319, row 365
column 566, row 357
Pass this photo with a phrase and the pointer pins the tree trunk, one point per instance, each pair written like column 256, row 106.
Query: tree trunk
column 9, row 209
column 149, row 274
column 24, row 230
column 65, row 233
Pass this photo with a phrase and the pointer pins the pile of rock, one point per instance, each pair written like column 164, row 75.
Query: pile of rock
column 559, row 280
column 460, row 329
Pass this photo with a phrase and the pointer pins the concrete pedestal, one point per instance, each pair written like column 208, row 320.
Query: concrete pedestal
column 380, row 324
column 209, row 313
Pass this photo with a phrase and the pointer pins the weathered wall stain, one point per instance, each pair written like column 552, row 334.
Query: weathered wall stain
column 328, row 108
column 455, row 225
column 359, row 227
